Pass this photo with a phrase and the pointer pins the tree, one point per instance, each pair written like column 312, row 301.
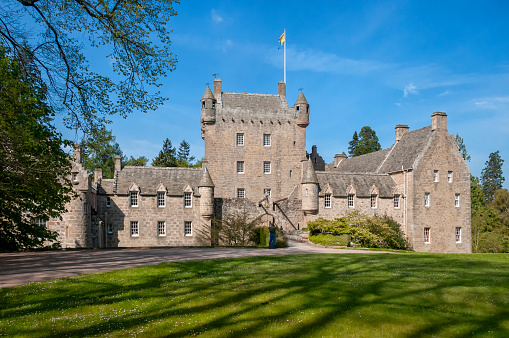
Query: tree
column 184, row 160
column 34, row 170
column 501, row 205
column 492, row 176
column 166, row 157
column 99, row 150
column 463, row 148
column 137, row 162
column 353, row 144
column 367, row 143
column 48, row 34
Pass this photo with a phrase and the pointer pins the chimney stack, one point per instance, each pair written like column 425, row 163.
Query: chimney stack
column 281, row 90
column 338, row 158
column 118, row 163
column 98, row 175
column 401, row 129
column 217, row 90
column 439, row 121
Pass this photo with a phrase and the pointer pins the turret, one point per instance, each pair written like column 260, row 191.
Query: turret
column 309, row 188
column 302, row 110
column 208, row 107
column 206, row 189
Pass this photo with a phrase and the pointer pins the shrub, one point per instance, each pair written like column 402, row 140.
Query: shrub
column 281, row 241
column 260, row 236
column 369, row 232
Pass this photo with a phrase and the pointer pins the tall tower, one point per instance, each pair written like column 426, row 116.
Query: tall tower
column 309, row 188
column 208, row 110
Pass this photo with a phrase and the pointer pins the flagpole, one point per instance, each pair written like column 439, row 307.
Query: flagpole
column 285, row 55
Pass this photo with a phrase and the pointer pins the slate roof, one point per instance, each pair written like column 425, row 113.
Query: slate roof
column 361, row 182
column 404, row 153
column 245, row 104
column 148, row 179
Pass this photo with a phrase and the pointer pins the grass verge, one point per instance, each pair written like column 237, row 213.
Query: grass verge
column 375, row 295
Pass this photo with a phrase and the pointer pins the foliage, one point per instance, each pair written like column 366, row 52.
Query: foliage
column 235, row 229
column 48, row 35
column 34, row 170
column 167, row 156
column 501, row 205
column 362, row 295
column 137, row 162
column 353, row 144
column 492, row 176
column 463, row 148
column 281, row 240
column 367, row 142
column 330, row 240
column 369, row 232
column 184, row 160
column 99, row 150
column 260, row 236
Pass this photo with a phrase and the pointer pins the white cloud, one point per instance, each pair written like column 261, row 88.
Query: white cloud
column 398, row 104
column 491, row 102
column 216, row 17
column 409, row 89
column 444, row 93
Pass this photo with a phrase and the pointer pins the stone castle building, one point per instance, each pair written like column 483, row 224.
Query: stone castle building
column 255, row 162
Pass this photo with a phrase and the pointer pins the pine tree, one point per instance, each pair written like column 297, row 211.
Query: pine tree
column 353, row 144
column 184, row 160
column 492, row 176
column 99, row 150
column 463, row 149
column 367, row 143
column 166, row 157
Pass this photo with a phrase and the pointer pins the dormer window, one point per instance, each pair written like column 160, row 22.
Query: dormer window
column 188, row 200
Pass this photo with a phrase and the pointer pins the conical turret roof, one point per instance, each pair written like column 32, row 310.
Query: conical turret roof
column 206, row 180
column 309, row 175
column 301, row 99
column 208, row 94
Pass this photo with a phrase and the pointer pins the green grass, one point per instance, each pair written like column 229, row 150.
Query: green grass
column 347, row 295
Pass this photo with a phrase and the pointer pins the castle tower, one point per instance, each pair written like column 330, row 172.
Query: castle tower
column 206, row 189
column 302, row 109
column 208, row 108
column 309, row 188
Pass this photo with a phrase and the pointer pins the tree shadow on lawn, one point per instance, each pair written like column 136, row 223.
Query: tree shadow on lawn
column 285, row 296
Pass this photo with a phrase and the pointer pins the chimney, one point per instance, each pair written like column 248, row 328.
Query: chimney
column 77, row 153
column 338, row 158
column 98, row 175
column 401, row 129
column 217, row 90
column 118, row 163
column 281, row 90
column 439, row 121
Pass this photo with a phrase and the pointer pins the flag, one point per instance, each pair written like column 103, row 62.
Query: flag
column 282, row 39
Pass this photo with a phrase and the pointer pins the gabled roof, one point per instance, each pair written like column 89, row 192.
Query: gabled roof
column 148, row 180
column 252, row 102
column 402, row 154
column 362, row 183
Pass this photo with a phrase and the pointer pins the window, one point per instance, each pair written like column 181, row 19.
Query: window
column 188, row 228
column 449, row 176
column 240, row 139
column 75, row 177
column 457, row 234
column 134, row 198
column 161, row 200
column 291, row 172
column 427, row 235
column 241, row 193
column 135, row 231
column 266, row 192
column 203, row 104
column 240, row 167
column 161, row 228
column 373, row 201
column 350, row 201
column 327, row 201
column 266, row 167
column 435, row 176
column 306, row 192
column 396, row 201
column 188, row 200
column 297, row 109
column 85, row 207
column 457, row 200
column 40, row 222
column 108, row 202
column 266, row 140
column 110, row 228
column 426, row 199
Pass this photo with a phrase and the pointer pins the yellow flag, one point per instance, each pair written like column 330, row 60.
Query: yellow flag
column 282, row 39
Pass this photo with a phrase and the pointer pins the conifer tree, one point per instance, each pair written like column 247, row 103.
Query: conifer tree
column 367, row 143
column 492, row 176
column 166, row 157
column 463, row 148
column 184, row 160
column 353, row 144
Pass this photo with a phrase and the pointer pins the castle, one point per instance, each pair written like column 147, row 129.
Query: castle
column 255, row 162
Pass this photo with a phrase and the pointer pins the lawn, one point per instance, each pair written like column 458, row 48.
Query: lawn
column 346, row 295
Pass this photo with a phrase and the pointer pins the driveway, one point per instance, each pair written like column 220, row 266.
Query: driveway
column 26, row 267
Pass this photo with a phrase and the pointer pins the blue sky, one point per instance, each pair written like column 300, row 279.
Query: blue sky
column 360, row 63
